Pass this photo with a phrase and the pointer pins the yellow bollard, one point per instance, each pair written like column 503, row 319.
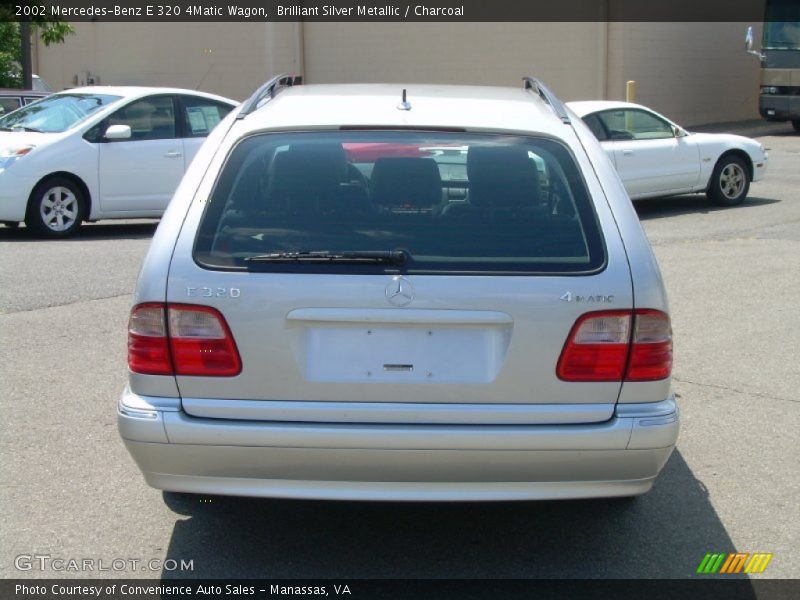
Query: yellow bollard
column 630, row 91
column 630, row 96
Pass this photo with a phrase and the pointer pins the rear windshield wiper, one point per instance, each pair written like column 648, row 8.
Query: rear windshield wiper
column 391, row 257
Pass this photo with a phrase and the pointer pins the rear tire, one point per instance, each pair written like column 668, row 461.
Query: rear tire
column 56, row 208
column 730, row 181
column 796, row 124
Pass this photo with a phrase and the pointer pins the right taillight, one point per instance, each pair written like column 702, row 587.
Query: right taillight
column 618, row 345
column 651, row 347
column 181, row 339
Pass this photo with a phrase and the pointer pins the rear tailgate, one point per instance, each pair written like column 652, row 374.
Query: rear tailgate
column 402, row 346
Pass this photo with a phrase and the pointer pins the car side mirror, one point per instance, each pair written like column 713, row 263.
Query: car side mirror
column 118, row 132
column 678, row 131
column 748, row 44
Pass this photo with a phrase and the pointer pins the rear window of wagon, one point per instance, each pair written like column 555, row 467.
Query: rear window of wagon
column 451, row 203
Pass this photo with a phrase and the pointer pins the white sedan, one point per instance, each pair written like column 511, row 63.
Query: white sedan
column 100, row 153
column 656, row 157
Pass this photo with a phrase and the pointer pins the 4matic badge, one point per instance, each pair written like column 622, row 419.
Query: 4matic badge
column 597, row 298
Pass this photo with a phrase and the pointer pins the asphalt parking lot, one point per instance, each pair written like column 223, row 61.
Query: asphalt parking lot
column 69, row 489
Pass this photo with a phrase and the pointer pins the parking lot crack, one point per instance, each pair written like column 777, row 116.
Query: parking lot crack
column 736, row 391
column 79, row 301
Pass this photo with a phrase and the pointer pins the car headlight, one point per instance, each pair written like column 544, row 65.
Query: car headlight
column 11, row 153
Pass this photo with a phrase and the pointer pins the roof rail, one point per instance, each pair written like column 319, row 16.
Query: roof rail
column 267, row 92
column 532, row 83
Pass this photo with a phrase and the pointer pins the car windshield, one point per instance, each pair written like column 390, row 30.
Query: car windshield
column 782, row 25
column 56, row 113
column 388, row 201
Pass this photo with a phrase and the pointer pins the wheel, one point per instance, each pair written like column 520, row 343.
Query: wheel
column 56, row 208
column 796, row 124
column 729, row 182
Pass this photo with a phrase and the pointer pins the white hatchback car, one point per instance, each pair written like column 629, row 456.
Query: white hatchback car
column 100, row 153
column 377, row 293
column 656, row 157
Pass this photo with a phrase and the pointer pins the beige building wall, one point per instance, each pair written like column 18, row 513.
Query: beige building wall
column 230, row 59
column 564, row 55
column 693, row 72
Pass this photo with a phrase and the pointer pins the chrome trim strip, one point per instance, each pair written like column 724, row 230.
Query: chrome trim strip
column 673, row 418
column 147, row 415
column 399, row 413
column 648, row 409
column 135, row 402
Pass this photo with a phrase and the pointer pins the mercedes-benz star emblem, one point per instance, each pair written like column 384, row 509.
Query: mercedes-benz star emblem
column 400, row 291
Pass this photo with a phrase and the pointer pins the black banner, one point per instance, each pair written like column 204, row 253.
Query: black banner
column 388, row 589
column 385, row 10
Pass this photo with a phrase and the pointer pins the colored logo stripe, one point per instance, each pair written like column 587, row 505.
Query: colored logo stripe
column 711, row 563
column 758, row 562
column 734, row 563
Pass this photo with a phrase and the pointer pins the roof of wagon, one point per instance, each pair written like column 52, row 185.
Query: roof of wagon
column 432, row 106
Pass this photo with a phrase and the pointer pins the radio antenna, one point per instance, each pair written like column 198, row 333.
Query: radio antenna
column 405, row 104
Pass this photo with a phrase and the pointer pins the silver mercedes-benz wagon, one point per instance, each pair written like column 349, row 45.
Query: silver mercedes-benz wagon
column 385, row 292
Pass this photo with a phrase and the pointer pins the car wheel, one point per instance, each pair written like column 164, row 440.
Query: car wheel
column 796, row 124
column 56, row 208
column 730, row 182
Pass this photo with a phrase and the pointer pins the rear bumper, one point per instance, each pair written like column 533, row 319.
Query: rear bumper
column 619, row 457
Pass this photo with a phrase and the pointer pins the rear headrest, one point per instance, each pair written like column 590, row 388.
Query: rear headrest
column 404, row 181
column 501, row 177
column 330, row 152
column 308, row 168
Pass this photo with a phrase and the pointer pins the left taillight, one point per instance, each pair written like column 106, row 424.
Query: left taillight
column 181, row 339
